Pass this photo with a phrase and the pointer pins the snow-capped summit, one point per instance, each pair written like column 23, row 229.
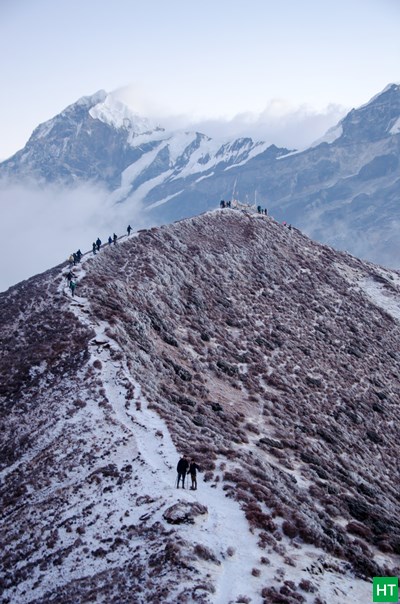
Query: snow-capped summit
column 113, row 112
column 100, row 139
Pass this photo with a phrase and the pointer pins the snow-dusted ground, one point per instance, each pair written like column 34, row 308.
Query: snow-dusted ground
column 239, row 575
column 110, row 481
column 224, row 529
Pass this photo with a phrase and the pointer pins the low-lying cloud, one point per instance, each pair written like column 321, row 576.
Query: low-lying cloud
column 42, row 226
column 278, row 124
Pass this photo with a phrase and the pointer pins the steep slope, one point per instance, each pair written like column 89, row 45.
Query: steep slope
column 270, row 358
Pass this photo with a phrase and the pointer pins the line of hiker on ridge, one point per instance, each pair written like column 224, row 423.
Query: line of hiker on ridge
column 228, row 204
column 75, row 258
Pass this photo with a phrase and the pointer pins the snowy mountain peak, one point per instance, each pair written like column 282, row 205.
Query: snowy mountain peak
column 113, row 112
column 91, row 100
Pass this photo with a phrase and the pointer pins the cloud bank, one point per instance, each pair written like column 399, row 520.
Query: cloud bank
column 42, row 226
column 280, row 122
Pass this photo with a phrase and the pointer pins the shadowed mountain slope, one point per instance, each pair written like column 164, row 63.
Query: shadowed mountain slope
column 270, row 358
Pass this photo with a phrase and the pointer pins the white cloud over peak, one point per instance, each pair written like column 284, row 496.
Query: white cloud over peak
column 280, row 122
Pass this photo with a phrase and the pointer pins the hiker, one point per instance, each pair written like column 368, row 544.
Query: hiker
column 228, row 204
column 71, row 260
column 129, row 229
column 72, row 285
column 109, row 240
column 75, row 258
column 94, row 248
column 259, row 209
column 115, row 239
column 79, row 255
column 69, row 276
column 182, row 469
column 98, row 243
column 222, row 203
column 193, row 468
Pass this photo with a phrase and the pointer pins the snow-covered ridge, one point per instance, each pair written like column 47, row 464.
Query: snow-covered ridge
column 112, row 111
column 230, row 338
column 330, row 136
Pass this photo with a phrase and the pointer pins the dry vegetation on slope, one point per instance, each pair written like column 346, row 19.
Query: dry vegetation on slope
column 254, row 347
column 267, row 362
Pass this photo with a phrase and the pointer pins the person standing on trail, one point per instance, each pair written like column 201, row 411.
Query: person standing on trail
column 109, row 240
column 94, row 248
column 193, row 468
column 129, row 229
column 182, row 469
column 115, row 239
column 98, row 243
column 72, row 285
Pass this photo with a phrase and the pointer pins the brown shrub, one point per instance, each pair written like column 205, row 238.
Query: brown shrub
column 289, row 529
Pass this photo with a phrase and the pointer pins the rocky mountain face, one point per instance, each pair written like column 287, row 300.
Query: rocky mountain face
column 342, row 191
column 270, row 359
column 98, row 139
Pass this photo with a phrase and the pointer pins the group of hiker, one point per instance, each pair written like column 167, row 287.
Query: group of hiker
column 260, row 210
column 184, row 468
column 96, row 245
column 228, row 204
column 71, row 281
column 75, row 258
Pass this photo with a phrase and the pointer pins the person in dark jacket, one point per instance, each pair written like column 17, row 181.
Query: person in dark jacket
column 129, row 229
column 98, row 243
column 182, row 469
column 193, row 469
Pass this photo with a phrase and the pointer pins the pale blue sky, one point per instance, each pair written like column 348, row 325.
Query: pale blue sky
column 205, row 60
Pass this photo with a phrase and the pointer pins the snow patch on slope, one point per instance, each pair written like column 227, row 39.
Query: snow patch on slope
column 383, row 297
column 395, row 129
column 223, row 530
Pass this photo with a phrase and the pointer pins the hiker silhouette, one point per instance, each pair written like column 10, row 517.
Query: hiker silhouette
column 193, row 469
column 182, row 469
